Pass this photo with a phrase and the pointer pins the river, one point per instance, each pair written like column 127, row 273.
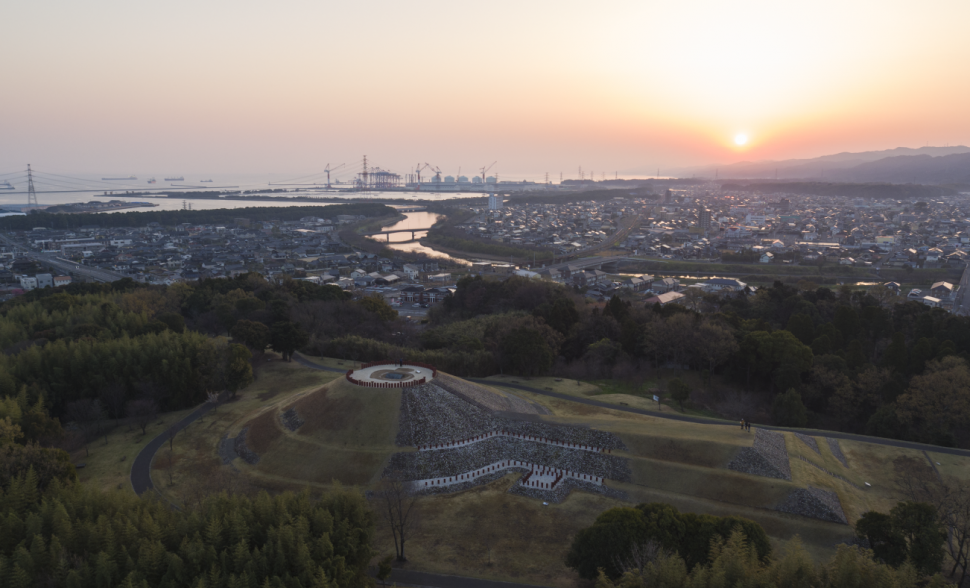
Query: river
column 403, row 242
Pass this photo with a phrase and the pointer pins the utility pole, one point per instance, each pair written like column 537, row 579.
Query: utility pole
column 31, row 194
column 363, row 176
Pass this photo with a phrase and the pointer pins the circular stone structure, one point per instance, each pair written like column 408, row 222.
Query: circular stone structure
column 386, row 374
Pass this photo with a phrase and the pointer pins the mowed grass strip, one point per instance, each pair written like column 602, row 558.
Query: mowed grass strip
column 690, row 451
column 722, row 485
column 487, row 533
column 194, row 456
column 345, row 414
column 347, row 436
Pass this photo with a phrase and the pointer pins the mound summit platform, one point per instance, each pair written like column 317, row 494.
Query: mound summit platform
column 388, row 374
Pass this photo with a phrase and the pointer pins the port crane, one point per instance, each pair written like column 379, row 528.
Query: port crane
column 418, row 169
column 485, row 169
column 436, row 170
column 330, row 169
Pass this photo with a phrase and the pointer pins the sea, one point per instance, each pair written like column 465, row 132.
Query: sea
column 59, row 189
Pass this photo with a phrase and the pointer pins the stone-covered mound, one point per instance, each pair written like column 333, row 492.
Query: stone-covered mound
column 767, row 457
column 485, row 398
column 460, row 429
column 452, row 462
column 815, row 503
column 430, row 415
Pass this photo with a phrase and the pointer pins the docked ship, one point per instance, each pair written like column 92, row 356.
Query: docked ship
column 119, row 179
column 151, row 180
column 5, row 185
column 178, row 179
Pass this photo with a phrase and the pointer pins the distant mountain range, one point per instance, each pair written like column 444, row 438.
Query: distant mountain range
column 947, row 165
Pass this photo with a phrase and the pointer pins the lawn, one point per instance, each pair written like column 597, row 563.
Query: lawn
column 619, row 392
column 192, row 466
column 108, row 458
column 348, row 434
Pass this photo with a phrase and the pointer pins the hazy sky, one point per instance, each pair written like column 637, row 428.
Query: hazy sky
column 212, row 86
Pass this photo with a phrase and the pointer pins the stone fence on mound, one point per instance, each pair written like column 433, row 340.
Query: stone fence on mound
column 402, row 384
column 352, row 380
column 434, row 372
column 490, row 435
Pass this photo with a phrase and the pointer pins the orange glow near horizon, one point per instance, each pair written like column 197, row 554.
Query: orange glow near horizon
column 226, row 86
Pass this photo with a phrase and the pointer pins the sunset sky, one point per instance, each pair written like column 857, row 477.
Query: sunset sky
column 288, row 86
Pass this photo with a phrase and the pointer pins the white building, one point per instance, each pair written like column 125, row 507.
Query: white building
column 495, row 202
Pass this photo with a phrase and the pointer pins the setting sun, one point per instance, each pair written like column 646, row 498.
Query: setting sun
column 740, row 139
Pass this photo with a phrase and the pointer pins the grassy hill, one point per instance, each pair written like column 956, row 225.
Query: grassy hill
column 347, row 435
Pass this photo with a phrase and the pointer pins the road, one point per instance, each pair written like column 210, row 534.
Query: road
column 141, row 466
column 961, row 305
column 65, row 266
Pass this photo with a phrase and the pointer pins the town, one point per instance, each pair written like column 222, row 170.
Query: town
column 914, row 250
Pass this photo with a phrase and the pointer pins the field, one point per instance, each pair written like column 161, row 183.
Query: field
column 348, row 433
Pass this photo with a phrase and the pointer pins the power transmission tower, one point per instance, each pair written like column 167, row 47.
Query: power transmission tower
column 31, row 194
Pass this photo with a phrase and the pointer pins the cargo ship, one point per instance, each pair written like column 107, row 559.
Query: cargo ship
column 119, row 179
column 206, row 181
column 5, row 185
column 151, row 180
column 178, row 179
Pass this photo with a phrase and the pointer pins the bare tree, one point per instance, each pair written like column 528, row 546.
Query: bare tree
column 112, row 398
column 84, row 412
column 919, row 482
column 639, row 556
column 395, row 502
column 142, row 411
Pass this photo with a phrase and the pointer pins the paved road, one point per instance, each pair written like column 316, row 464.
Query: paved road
column 66, row 266
column 141, row 480
column 141, row 466
column 962, row 304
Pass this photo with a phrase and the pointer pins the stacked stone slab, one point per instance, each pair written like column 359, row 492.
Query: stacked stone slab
column 837, row 450
column 460, row 428
column 291, row 420
column 815, row 503
column 810, row 441
column 767, row 456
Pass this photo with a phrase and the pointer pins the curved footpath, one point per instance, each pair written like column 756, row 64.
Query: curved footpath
column 141, row 466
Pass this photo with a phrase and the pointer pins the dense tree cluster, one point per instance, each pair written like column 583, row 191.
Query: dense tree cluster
column 171, row 218
column 809, row 356
column 616, row 533
column 65, row 534
column 655, row 545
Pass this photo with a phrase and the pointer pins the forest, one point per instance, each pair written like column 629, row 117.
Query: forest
column 799, row 355
column 170, row 218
